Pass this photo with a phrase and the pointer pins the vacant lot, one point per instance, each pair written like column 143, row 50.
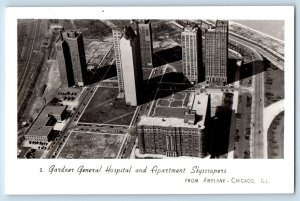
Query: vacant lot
column 95, row 51
column 91, row 146
column 106, row 108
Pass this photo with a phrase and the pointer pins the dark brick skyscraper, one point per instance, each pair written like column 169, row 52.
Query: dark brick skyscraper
column 64, row 64
column 145, row 36
column 216, row 53
column 71, row 57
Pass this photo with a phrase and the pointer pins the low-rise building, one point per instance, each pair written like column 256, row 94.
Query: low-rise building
column 42, row 129
column 177, row 136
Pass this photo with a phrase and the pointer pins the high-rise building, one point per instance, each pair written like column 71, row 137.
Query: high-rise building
column 131, row 66
column 216, row 53
column 145, row 36
column 75, row 43
column 117, row 34
column 184, row 134
column 191, row 42
column 64, row 64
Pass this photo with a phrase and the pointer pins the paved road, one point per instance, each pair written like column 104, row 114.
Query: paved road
column 258, row 49
column 82, row 105
column 256, row 138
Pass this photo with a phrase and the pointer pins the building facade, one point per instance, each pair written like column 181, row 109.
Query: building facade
column 191, row 42
column 173, row 137
column 145, row 36
column 117, row 35
column 216, row 53
column 131, row 66
column 64, row 64
column 75, row 51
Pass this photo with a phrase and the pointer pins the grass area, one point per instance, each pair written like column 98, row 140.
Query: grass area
column 167, row 100
column 242, row 127
column 274, row 79
column 163, row 102
column 276, row 137
column 106, row 108
column 91, row 146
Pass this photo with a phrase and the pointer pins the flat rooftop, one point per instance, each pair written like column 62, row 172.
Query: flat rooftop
column 167, row 113
column 54, row 110
column 44, row 124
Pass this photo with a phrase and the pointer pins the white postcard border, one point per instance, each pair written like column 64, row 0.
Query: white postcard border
column 24, row 176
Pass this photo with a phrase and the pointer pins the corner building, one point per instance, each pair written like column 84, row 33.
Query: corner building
column 191, row 42
column 131, row 66
column 216, row 53
column 173, row 137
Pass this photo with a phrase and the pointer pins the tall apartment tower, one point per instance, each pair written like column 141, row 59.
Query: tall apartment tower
column 191, row 42
column 75, row 44
column 145, row 36
column 216, row 53
column 117, row 34
column 64, row 64
column 131, row 66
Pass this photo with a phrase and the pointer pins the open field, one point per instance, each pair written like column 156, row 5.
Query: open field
column 274, row 79
column 82, row 145
column 106, row 108
column 276, row 137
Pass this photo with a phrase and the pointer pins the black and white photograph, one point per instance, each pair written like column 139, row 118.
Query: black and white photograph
column 150, row 89
column 202, row 96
